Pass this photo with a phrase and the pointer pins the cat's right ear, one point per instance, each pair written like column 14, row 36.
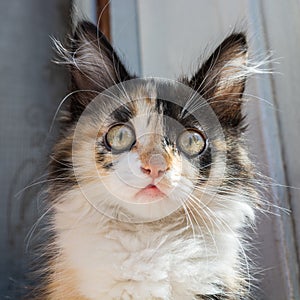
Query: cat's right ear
column 94, row 66
column 221, row 79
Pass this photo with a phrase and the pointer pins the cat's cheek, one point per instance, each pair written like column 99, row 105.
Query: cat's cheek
column 124, row 179
column 118, row 189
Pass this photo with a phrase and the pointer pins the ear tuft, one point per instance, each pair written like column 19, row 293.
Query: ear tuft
column 93, row 64
column 96, row 65
column 221, row 79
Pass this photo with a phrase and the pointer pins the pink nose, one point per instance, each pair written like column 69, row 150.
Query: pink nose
column 153, row 171
column 156, row 166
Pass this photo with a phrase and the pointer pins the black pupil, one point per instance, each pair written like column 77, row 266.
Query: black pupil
column 121, row 135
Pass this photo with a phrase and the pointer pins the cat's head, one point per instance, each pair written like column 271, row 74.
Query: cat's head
column 138, row 149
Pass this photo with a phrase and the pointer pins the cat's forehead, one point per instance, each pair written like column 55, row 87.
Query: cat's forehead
column 140, row 105
column 144, row 107
column 148, row 117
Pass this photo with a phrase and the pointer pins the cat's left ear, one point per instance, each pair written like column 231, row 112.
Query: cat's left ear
column 94, row 66
column 221, row 79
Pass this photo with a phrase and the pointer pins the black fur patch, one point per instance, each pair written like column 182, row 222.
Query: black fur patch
column 122, row 114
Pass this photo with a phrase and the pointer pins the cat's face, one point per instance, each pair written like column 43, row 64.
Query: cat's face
column 136, row 154
column 146, row 157
column 144, row 149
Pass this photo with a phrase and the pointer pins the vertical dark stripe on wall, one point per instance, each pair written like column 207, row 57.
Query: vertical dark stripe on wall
column 103, row 17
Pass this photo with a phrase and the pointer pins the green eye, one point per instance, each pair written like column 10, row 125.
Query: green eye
column 191, row 142
column 119, row 138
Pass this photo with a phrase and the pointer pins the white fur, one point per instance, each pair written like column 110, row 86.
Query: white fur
column 142, row 261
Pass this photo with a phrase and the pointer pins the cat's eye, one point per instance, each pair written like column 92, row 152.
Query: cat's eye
column 191, row 142
column 119, row 138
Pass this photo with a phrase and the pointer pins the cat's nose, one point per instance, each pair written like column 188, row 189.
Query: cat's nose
column 155, row 167
column 153, row 171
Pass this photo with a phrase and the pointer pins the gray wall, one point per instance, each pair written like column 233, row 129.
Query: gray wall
column 30, row 90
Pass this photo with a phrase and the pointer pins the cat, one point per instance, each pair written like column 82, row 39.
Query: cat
column 102, row 249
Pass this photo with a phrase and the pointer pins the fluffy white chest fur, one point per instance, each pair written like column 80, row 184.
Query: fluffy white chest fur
column 165, row 260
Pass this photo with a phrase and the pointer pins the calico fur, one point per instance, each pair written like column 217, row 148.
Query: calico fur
column 198, row 252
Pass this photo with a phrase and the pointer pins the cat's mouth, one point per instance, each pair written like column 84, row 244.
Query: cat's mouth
column 151, row 191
